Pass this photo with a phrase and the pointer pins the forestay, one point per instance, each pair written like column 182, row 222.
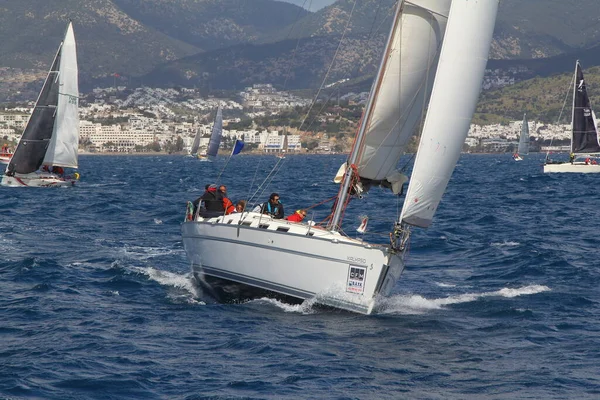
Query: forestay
column 455, row 92
column 62, row 150
column 403, row 85
column 215, row 136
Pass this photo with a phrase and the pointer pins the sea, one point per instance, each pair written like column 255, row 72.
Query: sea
column 500, row 298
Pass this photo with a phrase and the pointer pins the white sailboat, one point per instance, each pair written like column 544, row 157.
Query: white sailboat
column 523, row 148
column 585, row 144
column 51, row 136
column 304, row 261
column 215, row 138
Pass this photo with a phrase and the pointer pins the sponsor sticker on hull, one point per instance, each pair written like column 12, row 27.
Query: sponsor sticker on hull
column 356, row 279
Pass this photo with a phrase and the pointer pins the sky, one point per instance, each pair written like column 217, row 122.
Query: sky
column 313, row 4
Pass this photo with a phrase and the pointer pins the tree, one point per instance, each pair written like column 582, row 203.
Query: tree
column 179, row 144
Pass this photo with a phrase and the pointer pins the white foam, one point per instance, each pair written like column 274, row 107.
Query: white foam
column 165, row 278
column 506, row 244
column 440, row 284
column 417, row 304
column 145, row 253
column 306, row 307
column 157, row 221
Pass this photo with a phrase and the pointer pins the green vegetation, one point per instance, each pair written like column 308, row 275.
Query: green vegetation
column 541, row 98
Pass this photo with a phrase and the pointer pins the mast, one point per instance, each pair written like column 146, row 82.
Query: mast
column 573, row 109
column 356, row 148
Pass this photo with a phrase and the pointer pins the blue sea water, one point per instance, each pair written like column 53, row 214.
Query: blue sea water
column 500, row 298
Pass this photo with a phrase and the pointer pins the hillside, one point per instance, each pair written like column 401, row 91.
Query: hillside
column 541, row 98
column 288, row 64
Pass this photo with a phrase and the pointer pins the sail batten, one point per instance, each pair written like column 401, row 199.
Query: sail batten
column 403, row 86
column 454, row 96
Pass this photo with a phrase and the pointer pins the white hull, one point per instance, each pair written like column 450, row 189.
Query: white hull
column 293, row 259
column 576, row 167
column 36, row 180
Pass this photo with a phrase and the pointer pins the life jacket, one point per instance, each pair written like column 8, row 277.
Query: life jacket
column 228, row 206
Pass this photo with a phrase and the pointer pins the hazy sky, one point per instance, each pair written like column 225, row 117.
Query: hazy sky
column 316, row 4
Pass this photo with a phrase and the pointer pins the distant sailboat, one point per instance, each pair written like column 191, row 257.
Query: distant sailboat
column 196, row 143
column 51, row 136
column 305, row 261
column 523, row 148
column 215, row 138
column 585, row 144
column 284, row 148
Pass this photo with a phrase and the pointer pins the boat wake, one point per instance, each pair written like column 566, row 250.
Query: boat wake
column 187, row 290
column 306, row 307
column 417, row 304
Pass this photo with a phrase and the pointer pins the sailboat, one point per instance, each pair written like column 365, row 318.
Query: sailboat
column 215, row 138
column 5, row 155
column 51, row 136
column 196, row 144
column 284, row 148
column 439, row 42
column 523, row 148
column 585, row 145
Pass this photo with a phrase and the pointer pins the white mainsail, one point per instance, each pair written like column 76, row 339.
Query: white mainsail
column 62, row 150
column 455, row 93
column 403, row 85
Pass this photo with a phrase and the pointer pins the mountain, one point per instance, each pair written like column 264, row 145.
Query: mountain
column 213, row 24
column 108, row 39
column 233, row 43
column 289, row 64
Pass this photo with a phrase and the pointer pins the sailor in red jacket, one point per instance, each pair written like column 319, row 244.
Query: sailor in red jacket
column 298, row 216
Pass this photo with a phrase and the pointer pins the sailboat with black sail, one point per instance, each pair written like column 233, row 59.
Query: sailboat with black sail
column 523, row 148
column 51, row 136
column 585, row 144
column 321, row 262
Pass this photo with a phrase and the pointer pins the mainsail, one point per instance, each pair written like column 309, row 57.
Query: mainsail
column 215, row 136
column 31, row 149
column 455, row 92
column 585, row 135
column 62, row 150
column 524, row 138
column 400, row 92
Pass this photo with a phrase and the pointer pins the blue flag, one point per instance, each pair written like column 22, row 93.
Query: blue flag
column 237, row 148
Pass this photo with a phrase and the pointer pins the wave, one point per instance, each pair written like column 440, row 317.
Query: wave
column 417, row 304
column 306, row 307
column 178, row 281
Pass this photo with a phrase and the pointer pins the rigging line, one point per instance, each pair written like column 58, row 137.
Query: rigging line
column 562, row 109
column 287, row 74
column 269, row 181
column 263, row 182
column 371, row 37
column 330, row 65
column 253, row 179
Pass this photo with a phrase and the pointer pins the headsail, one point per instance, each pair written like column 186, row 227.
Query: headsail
column 215, row 136
column 524, row 138
column 454, row 97
column 196, row 144
column 585, row 134
column 403, row 85
column 62, row 150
